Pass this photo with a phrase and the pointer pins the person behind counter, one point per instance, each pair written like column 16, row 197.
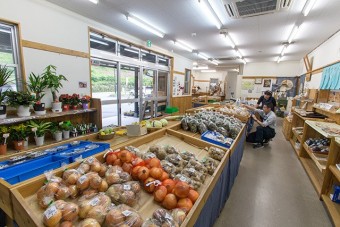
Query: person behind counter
column 266, row 129
column 266, row 98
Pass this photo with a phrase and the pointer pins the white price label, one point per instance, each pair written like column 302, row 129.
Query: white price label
column 94, row 202
column 127, row 187
column 90, row 160
column 192, row 170
column 51, row 211
column 82, row 179
column 183, row 178
column 168, row 216
column 126, row 213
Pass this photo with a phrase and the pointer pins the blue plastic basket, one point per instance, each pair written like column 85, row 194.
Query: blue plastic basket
column 205, row 135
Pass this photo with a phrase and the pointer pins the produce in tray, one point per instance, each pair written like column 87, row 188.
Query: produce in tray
column 159, row 151
column 177, row 160
column 210, row 164
column 127, row 193
column 194, row 174
column 193, row 163
column 116, row 175
column 94, row 206
column 123, row 215
column 187, row 155
column 216, row 153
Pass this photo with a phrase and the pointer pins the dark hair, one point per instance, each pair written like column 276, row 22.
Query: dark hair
column 268, row 93
column 269, row 105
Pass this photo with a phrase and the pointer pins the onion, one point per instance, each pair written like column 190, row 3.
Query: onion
column 170, row 201
column 60, row 204
column 84, row 208
column 84, row 168
column 89, row 192
column 154, row 162
column 51, row 219
column 136, row 161
column 164, row 176
column 169, row 184
column 83, row 182
column 118, row 162
column 70, row 212
column 193, row 195
column 156, row 172
column 114, row 217
column 160, row 194
column 127, row 167
column 102, row 171
column 96, row 167
column 51, row 188
column 143, row 173
column 125, row 156
column 103, row 186
column 95, row 182
column 134, row 172
column 98, row 213
column 89, row 222
column 73, row 191
column 181, row 189
column 66, row 224
column 63, row 192
column 112, row 178
column 185, row 204
column 111, row 158
column 149, row 185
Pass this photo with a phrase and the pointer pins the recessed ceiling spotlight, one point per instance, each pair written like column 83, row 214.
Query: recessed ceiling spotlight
column 142, row 24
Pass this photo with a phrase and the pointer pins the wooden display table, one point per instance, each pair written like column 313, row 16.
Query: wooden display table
column 329, row 113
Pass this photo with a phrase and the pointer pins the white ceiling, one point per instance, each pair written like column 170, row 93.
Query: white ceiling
column 258, row 38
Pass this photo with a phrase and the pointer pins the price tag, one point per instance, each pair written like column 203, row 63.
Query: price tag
column 192, row 170
column 51, row 211
column 127, row 187
column 183, row 178
column 82, row 179
column 94, row 202
column 90, row 160
column 126, row 213
column 168, row 216
column 34, row 129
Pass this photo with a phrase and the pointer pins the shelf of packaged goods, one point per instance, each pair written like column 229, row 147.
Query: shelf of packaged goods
column 292, row 142
column 313, row 173
column 335, row 171
column 299, row 137
column 333, row 209
column 9, row 120
column 319, row 160
column 317, row 126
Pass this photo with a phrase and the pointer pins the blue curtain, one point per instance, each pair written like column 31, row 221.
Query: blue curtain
column 331, row 78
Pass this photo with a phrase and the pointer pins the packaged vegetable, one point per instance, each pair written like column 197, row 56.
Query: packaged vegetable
column 171, row 150
column 127, row 193
column 187, row 155
column 159, row 151
column 216, row 153
column 123, row 215
column 211, row 164
column 165, row 218
column 178, row 215
column 88, row 202
column 194, row 174
column 193, row 163
column 177, row 160
column 116, row 175
column 168, row 167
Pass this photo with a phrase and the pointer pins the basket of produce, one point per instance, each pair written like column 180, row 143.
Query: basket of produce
column 106, row 134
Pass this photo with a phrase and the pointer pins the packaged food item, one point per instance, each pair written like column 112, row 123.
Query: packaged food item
column 168, row 167
column 127, row 193
column 177, row 160
column 123, row 215
column 70, row 176
column 202, row 127
column 184, row 124
column 116, row 175
column 178, row 215
column 52, row 216
column 165, row 218
column 216, row 153
column 134, row 150
column 211, row 164
column 87, row 202
column 171, row 150
column 193, row 125
column 194, row 174
column 159, row 151
column 194, row 163
column 187, row 155
column 69, row 210
column 151, row 222
column 148, row 155
column 89, row 222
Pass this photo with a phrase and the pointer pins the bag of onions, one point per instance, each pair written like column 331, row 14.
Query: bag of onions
column 123, row 215
column 127, row 193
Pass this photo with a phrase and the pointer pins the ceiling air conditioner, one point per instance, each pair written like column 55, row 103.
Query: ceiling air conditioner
column 251, row 8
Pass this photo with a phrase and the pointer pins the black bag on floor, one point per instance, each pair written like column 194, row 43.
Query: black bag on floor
column 251, row 137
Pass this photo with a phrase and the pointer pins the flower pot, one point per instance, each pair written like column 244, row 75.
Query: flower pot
column 3, row 149
column 56, row 106
column 26, row 142
column 74, row 107
column 66, row 134
column 39, row 109
column 23, row 111
column 58, row 136
column 3, row 111
column 18, row 145
column 85, row 106
column 66, row 107
column 39, row 141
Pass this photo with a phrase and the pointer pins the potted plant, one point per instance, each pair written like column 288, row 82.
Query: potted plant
column 4, row 133
column 22, row 100
column 5, row 74
column 18, row 134
column 54, row 83
column 65, row 99
column 85, row 100
column 56, row 131
column 37, row 84
column 66, row 127
column 39, row 128
column 75, row 101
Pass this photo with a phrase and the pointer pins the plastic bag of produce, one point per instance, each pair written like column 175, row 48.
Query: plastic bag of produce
column 127, row 193
column 171, row 150
column 134, row 150
column 116, row 175
column 194, row 174
column 178, row 215
column 184, row 124
column 211, row 164
column 216, row 153
column 123, row 215
column 159, row 151
column 151, row 222
column 202, row 127
column 186, row 155
column 90, row 204
column 193, row 125
column 164, row 217
column 168, row 167
column 69, row 210
column 194, row 163
column 177, row 160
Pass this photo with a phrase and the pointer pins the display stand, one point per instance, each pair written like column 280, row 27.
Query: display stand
column 287, row 128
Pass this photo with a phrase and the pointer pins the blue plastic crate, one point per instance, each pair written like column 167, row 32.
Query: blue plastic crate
column 205, row 137
column 33, row 168
column 68, row 146
column 84, row 151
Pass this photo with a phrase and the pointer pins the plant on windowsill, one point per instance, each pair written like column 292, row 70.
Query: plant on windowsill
column 39, row 128
column 65, row 99
column 75, row 101
column 66, row 126
column 57, row 131
column 85, row 100
column 4, row 134
column 5, row 75
column 18, row 134
column 21, row 100
column 54, row 83
column 37, row 85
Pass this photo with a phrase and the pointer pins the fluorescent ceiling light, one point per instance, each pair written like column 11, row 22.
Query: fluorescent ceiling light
column 210, row 13
column 194, row 63
column 243, row 61
column 279, row 59
column 293, row 33
column 238, row 54
column 200, row 67
column 229, row 40
column 94, row 1
column 284, row 50
column 203, row 56
column 208, row 71
column 183, row 46
column 308, row 7
column 144, row 25
column 215, row 62
column 100, row 42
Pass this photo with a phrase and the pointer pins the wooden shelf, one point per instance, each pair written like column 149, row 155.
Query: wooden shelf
column 320, row 164
column 316, row 127
column 299, row 137
column 292, row 142
column 321, row 110
column 333, row 209
column 313, row 173
column 335, row 172
column 49, row 114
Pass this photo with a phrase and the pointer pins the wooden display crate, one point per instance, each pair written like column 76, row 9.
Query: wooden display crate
column 287, row 128
column 27, row 213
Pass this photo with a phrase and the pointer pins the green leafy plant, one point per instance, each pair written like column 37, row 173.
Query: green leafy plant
column 18, row 132
column 5, row 74
column 37, row 84
column 17, row 98
column 3, row 130
column 53, row 80
column 75, row 100
column 66, row 125
column 41, row 126
column 55, row 127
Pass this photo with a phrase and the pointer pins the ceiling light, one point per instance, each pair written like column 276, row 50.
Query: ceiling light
column 195, row 63
column 94, row 1
column 183, row 46
column 229, row 40
column 210, row 13
column 100, row 42
column 284, row 50
column 215, row 62
column 279, row 59
column 200, row 67
column 308, row 7
column 237, row 52
column 203, row 56
column 144, row 25
column 293, row 33
column 243, row 61
column 208, row 71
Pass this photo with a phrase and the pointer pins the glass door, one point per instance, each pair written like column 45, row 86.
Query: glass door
column 129, row 94
column 149, row 94
column 163, row 87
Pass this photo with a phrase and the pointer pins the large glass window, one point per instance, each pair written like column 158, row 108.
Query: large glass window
column 102, row 43
column 9, row 54
column 163, row 61
column 148, row 57
column 128, row 51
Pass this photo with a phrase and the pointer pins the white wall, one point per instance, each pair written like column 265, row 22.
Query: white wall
column 220, row 75
column 274, row 69
column 47, row 23
column 231, row 80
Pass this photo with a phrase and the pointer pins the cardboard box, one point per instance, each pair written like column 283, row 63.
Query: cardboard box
column 136, row 130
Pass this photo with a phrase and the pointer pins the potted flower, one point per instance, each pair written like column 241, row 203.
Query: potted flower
column 56, row 131
column 54, row 83
column 39, row 128
column 75, row 101
column 37, row 84
column 22, row 100
column 18, row 134
column 4, row 133
column 65, row 99
column 66, row 127
column 5, row 74
column 85, row 100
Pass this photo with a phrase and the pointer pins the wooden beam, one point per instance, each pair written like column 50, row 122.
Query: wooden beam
column 59, row 50
column 305, row 62
column 202, row 81
column 262, row 77
column 179, row 73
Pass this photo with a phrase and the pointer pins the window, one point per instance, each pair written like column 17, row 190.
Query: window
column 9, row 53
column 187, row 82
column 163, row 61
column 148, row 57
column 128, row 51
column 102, row 43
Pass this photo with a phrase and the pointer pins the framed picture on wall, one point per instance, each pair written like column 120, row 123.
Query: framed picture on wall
column 267, row 82
column 258, row 81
